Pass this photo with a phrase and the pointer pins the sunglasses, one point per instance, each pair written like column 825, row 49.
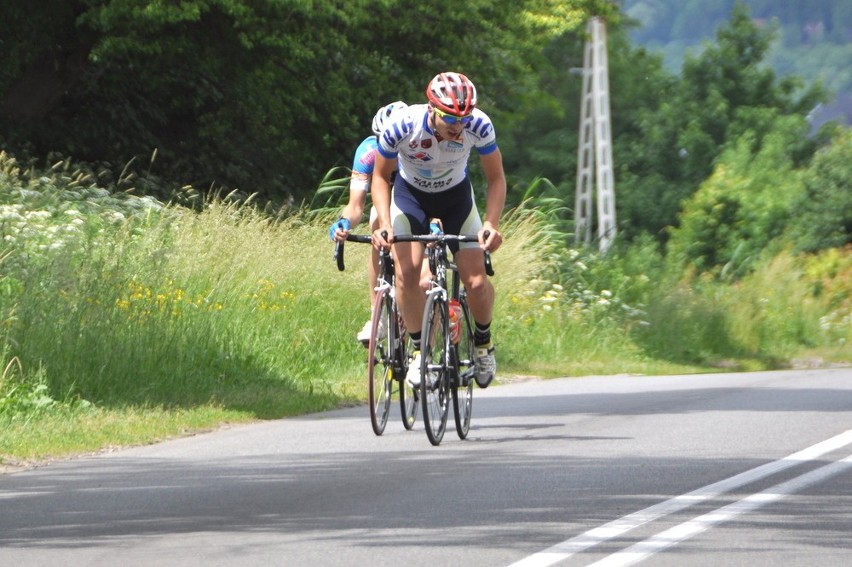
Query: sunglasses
column 451, row 118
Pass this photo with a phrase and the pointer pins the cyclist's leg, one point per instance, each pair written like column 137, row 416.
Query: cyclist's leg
column 425, row 275
column 480, row 292
column 480, row 297
column 464, row 219
column 408, row 217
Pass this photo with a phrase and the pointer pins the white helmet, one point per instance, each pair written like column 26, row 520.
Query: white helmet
column 384, row 113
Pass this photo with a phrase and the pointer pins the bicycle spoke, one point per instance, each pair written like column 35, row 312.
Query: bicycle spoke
column 380, row 363
column 408, row 396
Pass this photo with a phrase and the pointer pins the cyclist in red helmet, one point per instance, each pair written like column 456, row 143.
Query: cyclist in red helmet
column 430, row 145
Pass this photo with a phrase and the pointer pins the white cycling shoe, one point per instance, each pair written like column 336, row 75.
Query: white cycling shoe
column 486, row 365
column 366, row 333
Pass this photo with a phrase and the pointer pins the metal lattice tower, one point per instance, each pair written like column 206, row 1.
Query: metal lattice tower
column 595, row 145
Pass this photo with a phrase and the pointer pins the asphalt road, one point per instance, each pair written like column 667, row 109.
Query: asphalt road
column 725, row 469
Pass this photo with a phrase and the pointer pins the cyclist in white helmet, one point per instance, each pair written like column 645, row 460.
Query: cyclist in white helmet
column 431, row 144
column 359, row 187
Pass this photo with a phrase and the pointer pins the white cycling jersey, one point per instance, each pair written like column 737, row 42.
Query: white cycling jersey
column 427, row 161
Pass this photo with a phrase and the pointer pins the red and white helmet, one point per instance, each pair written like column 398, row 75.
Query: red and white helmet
column 384, row 113
column 453, row 93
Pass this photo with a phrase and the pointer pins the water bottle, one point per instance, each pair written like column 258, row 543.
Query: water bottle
column 455, row 320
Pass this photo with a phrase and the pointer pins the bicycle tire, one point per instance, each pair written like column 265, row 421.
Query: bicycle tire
column 464, row 363
column 380, row 366
column 408, row 396
column 435, row 343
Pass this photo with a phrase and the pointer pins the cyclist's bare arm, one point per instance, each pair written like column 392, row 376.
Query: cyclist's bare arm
column 354, row 209
column 492, row 167
column 381, row 193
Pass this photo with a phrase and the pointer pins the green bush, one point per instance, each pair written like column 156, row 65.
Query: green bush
column 743, row 207
column 824, row 212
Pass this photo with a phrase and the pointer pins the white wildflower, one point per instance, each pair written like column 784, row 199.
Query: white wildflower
column 38, row 215
column 8, row 213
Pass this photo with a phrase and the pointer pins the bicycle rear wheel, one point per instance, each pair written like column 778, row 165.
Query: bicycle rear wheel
column 434, row 377
column 464, row 364
column 381, row 362
column 408, row 396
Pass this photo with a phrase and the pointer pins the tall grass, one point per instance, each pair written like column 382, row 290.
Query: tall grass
column 789, row 306
column 223, row 307
column 126, row 320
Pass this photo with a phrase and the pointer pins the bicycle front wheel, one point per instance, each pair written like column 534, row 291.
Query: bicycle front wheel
column 465, row 367
column 434, row 366
column 381, row 362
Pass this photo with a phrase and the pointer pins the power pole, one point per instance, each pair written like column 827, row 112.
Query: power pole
column 595, row 146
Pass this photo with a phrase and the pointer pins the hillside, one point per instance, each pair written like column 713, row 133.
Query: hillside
column 814, row 38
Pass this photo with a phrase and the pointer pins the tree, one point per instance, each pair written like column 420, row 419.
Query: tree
column 745, row 205
column 824, row 213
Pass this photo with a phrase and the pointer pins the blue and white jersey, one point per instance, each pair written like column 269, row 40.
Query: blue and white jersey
column 427, row 161
column 363, row 164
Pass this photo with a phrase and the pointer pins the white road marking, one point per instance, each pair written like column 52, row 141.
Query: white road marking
column 616, row 528
column 672, row 536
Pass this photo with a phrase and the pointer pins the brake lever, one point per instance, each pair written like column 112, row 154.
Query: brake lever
column 338, row 255
column 489, row 269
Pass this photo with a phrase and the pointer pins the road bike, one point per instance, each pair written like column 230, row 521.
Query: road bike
column 389, row 346
column 448, row 354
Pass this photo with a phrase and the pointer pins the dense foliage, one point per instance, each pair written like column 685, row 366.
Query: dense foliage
column 824, row 210
column 259, row 95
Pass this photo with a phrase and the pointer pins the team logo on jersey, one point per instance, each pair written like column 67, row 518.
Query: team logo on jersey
column 395, row 132
column 426, row 144
column 368, row 159
column 412, row 144
column 420, row 156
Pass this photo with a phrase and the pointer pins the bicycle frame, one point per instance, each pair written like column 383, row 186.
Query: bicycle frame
column 440, row 264
column 447, row 368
